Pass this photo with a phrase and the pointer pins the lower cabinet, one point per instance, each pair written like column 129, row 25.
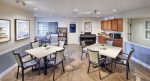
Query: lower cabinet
column 116, row 42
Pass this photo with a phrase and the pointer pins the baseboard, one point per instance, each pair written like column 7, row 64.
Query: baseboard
column 8, row 70
column 141, row 63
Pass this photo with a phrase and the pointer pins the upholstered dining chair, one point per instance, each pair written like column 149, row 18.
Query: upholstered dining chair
column 124, row 59
column 47, row 38
column 59, row 57
column 61, row 44
column 94, row 58
column 23, row 65
column 84, row 49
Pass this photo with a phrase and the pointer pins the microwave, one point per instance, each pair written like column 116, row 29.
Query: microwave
column 115, row 35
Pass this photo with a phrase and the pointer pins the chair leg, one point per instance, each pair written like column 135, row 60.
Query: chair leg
column 64, row 57
column 81, row 54
column 128, row 67
column 22, row 74
column 17, row 72
column 39, row 66
column 99, row 72
column 63, row 66
column 54, row 73
column 127, row 72
column 88, row 68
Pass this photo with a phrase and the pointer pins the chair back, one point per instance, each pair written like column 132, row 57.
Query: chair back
column 61, row 44
column 109, row 42
column 83, row 44
column 34, row 44
column 130, row 54
column 93, row 56
column 48, row 36
column 59, row 56
column 18, row 58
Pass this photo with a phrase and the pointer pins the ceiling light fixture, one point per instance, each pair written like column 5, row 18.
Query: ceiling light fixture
column 114, row 10
column 76, row 9
column 35, row 9
column 20, row 1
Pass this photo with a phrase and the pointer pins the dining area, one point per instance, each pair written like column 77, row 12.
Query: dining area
column 64, row 59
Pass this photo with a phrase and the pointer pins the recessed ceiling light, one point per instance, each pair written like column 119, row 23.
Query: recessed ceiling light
column 35, row 9
column 87, row 12
column 76, row 9
column 114, row 10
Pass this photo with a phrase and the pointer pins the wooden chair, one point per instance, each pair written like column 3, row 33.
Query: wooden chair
column 95, row 60
column 124, row 59
column 23, row 65
column 84, row 49
column 59, row 56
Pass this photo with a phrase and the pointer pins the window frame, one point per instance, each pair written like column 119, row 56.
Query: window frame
column 147, row 29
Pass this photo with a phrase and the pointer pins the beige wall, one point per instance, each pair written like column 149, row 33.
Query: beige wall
column 73, row 38
column 11, row 13
column 138, row 32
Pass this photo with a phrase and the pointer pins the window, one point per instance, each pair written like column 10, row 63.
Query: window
column 44, row 27
column 147, row 30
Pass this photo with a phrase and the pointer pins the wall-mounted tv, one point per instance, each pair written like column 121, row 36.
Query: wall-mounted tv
column 72, row 28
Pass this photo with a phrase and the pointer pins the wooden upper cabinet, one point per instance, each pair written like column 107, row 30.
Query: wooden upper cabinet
column 109, row 25
column 120, row 25
column 102, row 25
column 114, row 25
column 105, row 25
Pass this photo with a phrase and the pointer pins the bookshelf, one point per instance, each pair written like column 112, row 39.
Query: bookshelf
column 62, row 34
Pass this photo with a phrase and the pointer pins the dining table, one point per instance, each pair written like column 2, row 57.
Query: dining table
column 106, row 50
column 42, row 53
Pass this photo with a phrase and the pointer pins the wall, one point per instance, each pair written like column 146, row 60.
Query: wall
column 138, row 32
column 11, row 13
column 73, row 38
column 141, row 53
column 8, row 12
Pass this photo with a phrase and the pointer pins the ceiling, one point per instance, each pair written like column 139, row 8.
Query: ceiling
column 78, row 8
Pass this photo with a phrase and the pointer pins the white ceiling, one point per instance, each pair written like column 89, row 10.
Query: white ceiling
column 65, row 8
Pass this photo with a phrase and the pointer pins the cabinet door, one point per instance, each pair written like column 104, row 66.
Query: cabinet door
column 109, row 25
column 118, row 42
column 102, row 39
column 120, row 25
column 105, row 25
column 102, row 25
column 114, row 25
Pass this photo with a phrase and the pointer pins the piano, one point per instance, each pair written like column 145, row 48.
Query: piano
column 88, row 38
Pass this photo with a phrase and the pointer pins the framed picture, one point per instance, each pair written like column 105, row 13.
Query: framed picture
column 22, row 29
column 88, row 27
column 72, row 28
column 4, row 30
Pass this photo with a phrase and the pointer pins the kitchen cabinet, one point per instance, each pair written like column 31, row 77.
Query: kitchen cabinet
column 102, row 39
column 105, row 25
column 120, row 25
column 102, row 25
column 116, row 42
column 112, row 25
column 109, row 25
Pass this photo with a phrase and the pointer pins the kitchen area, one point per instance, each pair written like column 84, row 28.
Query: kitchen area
column 112, row 32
